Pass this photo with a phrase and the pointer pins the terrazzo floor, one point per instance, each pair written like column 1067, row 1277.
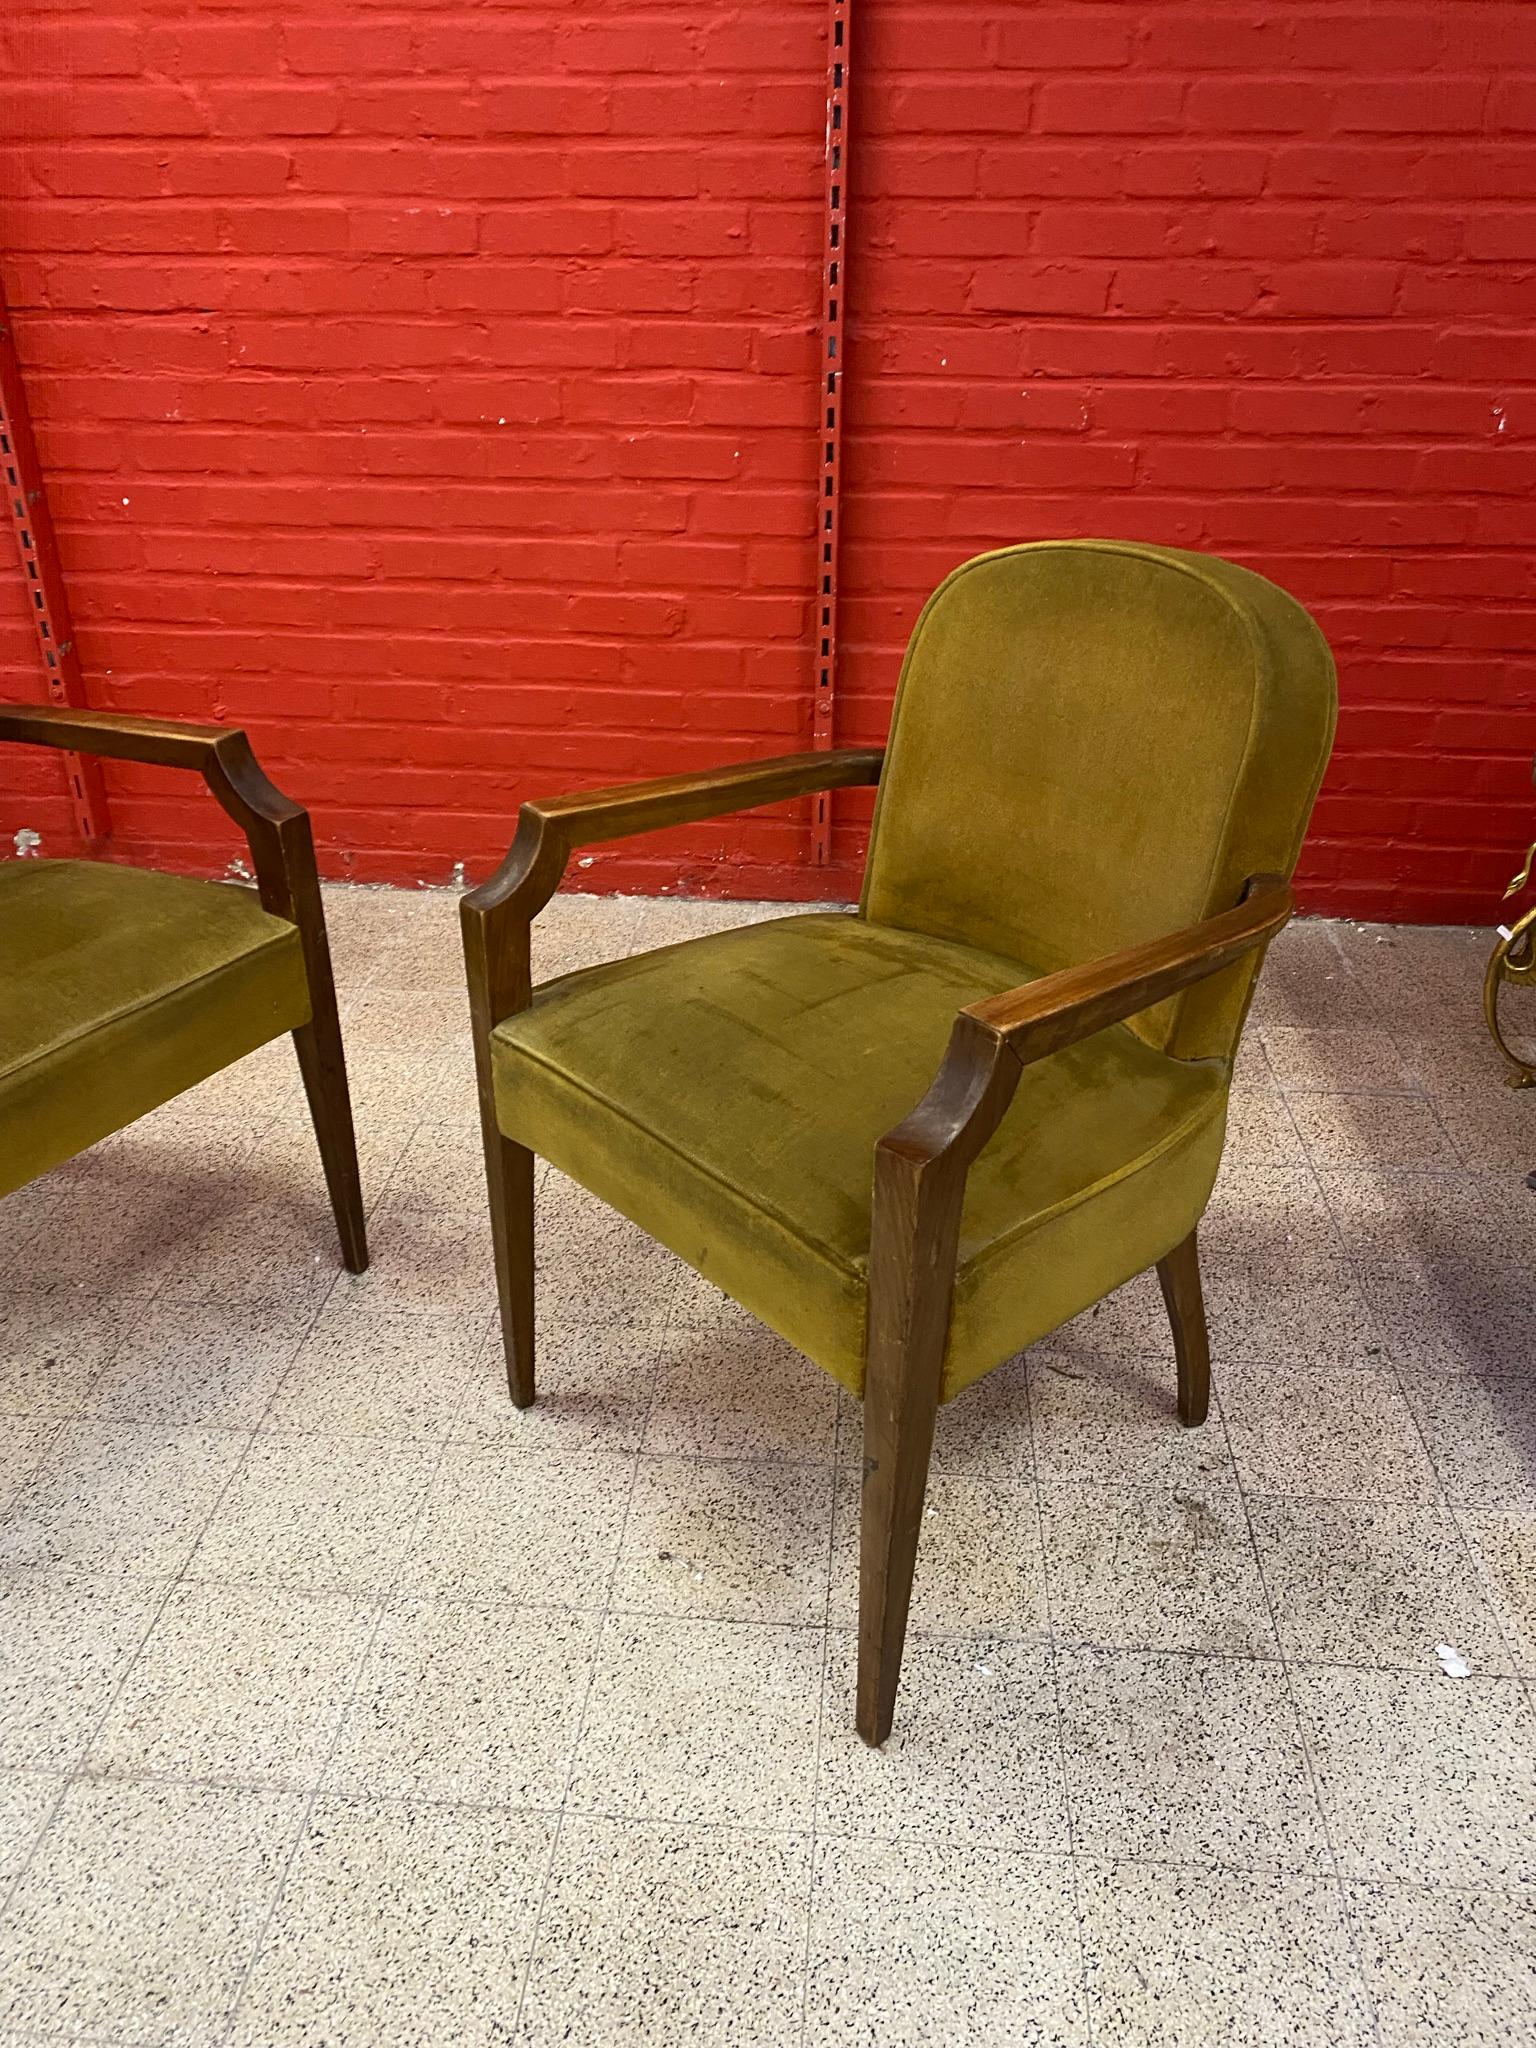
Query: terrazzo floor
column 341, row 1704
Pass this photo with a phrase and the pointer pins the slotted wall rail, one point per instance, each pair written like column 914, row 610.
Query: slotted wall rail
column 42, row 577
column 830, row 402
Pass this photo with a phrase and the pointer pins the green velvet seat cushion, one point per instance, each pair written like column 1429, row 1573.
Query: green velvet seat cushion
column 727, row 1094
column 119, row 987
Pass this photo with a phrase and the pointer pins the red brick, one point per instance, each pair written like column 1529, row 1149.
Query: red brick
column 460, row 367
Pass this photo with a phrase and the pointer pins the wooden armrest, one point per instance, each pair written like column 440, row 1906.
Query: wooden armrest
column 167, row 742
column 994, row 1040
column 550, row 829
column 1062, row 1008
column 221, row 754
column 496, row 917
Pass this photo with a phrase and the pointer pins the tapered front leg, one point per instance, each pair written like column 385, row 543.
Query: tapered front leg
column 911, row 1285
column 1179, row 1277
column 509, row 1177
column 324, row 1068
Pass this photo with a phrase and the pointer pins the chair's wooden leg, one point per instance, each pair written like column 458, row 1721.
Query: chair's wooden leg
column 911, row 1286
column 509, row 1178
column 898, row 1439
column 323, row 1065
column 1179, row 1276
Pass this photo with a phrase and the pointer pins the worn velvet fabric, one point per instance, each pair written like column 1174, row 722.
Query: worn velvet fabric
column 1094, row 743
column 119, row 987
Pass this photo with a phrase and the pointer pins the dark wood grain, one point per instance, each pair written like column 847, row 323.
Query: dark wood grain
column 1060, row 1009
column 287, row 881
column 1179, row 1277
column 496, row 921
column 919, row 1193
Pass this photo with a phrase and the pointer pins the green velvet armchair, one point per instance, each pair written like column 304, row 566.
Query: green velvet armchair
column 121, row 986
column 917, row 1139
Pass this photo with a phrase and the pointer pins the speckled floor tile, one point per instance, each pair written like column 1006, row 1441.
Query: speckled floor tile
column 1414, row 973
column 984, row 1431
column 119, row 1497
column 1503, row 1546
column 26, row 1801
column 1447, row 1966
column 1268, row 1212
column 331, row 1514
column 249, row 1249
column 66, row 1638
column 1449, row 1058
column 593, row 1263
column 918, row 1943
column 1165, row 1568
column 1373, row 1582
column 1323, row 1435
column 1307, row 983
column 141, row 1910
column 427, row 1258
column 399, row 1926
column 505, row 1525
column 979, row 1567
column 284, row 1161
column 442, row 1165
column 54, row 1341
column 464, row 1701
column 575, row 930
column 1430, row 1779
column 1262, row 1132
column 1330, row 1061
column 653, row 1937
column 203, row 1364
column 1130, row 1323
column 701, row 1721
column 736, row 1540
column 236, row 1685
column 975, row 1754
column 1305, row 1312
column 747, row 1396
column 132, row 1235
column 593, row 1387
column 1183, row 1957
column 378, row 1368
column 1111, row 1422
column 1186, row 1759
column 1460, row 1315
column 551, row 1594
column 1390, row 1215
column 24, row 1443
column 1372, row 1130
column 1481, row 1434
column 1492, row 1132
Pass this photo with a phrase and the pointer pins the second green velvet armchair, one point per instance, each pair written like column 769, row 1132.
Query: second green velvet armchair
column 122, row 986
column 917, row 1139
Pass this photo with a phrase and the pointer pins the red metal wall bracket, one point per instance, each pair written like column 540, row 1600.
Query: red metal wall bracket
column 42, row 576
column 830, row 403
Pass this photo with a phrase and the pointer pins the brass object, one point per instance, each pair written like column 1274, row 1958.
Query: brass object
column 1513, row 959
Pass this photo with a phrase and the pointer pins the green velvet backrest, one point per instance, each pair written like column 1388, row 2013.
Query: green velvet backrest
column 1095, row 743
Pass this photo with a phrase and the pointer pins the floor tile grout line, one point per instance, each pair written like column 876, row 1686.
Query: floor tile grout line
column 379, row 1603
column 812, row 1875
column 586, row 1697
column 1053, row 1652
column 1304, row 1738
column 77, row 1772
column 1447, row 1505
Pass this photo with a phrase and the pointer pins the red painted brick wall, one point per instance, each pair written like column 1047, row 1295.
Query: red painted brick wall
column 431, row 387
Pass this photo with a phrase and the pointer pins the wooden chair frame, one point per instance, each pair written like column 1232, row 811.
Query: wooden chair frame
column 919, row 1168
column 287, row 882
